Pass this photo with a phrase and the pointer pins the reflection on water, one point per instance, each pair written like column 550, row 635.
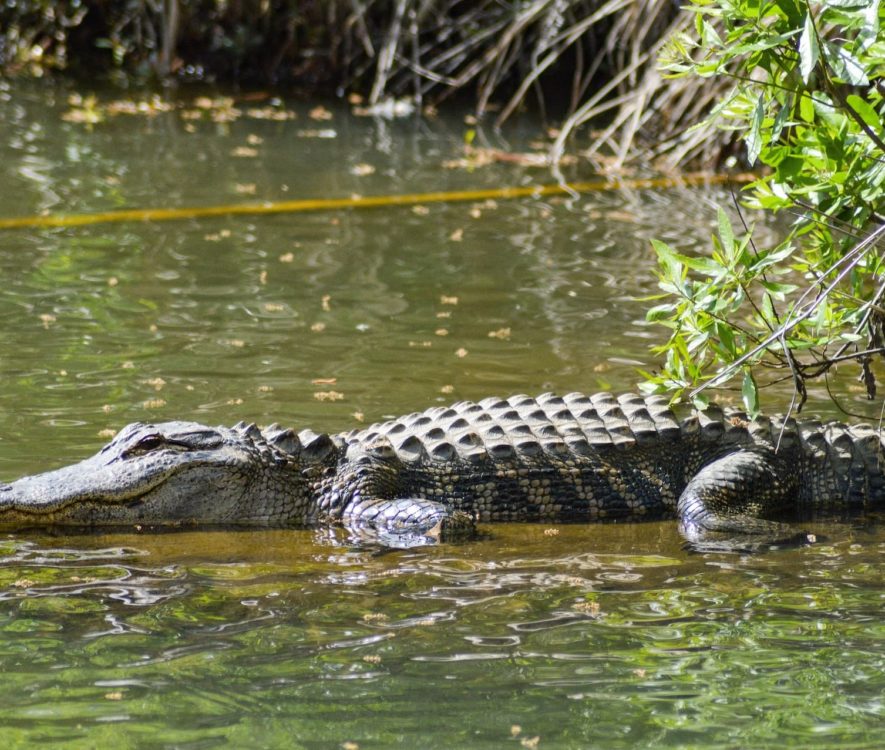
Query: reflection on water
column 611, row 631
column 604, row 636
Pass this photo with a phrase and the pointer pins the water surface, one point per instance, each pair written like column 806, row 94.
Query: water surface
column 563, row 636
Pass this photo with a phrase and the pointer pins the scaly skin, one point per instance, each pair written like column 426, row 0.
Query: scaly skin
column 572, row 458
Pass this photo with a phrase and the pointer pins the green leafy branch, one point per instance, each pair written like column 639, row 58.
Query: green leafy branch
column 808, row 100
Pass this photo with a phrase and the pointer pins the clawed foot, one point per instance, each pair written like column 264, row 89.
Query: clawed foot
column 407, row 523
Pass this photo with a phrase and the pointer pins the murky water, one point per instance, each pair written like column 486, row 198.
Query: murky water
column 571, row 637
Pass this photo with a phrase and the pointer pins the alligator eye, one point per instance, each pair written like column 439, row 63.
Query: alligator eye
column 150, row 443
column 147, row 444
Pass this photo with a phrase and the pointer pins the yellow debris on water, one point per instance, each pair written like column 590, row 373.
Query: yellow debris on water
column 364, row 202
column 320, row 114
column 328, row 396
column 375, row 617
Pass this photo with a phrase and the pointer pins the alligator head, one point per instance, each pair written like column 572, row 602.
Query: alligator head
column 175, row 473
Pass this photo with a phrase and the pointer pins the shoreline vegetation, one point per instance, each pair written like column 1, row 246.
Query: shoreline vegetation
column 790, row 88
column 573, row 62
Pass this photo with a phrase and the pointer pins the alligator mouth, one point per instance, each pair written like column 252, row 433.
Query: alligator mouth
column 55, row 497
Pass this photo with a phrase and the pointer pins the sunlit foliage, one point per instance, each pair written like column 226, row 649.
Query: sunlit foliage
column 807, row 99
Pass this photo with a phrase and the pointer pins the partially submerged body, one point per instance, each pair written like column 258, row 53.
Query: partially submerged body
column 573, row 458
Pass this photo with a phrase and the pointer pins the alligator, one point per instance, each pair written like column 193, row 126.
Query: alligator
column 437, row 473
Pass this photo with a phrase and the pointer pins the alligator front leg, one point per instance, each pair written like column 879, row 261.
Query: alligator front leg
column 724, row 506
column 406, row 522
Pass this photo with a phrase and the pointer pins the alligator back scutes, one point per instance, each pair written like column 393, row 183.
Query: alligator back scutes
column 523, row 427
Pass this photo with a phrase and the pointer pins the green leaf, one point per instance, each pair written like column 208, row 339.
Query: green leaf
column 769, row 315
column 659, row 312
column 781, row 119
column 791, row 9
column 675, row 263
column 806, row 108
column 709, row 36
column 778, row 291
column 790, row 168
column 809, row 51
column 706, row 266
column 754, row 136
column 869, row 29
column 700, row 401
column 726, row 336
column 672, row 269
column 726, row 235
column 829, row 113
column 845, row 65
column 866, row 112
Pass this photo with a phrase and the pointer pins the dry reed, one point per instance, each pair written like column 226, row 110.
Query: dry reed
column 574, row 61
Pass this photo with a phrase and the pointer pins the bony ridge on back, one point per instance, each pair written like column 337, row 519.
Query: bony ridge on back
column 436, row 473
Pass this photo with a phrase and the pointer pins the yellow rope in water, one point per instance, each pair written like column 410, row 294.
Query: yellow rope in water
column 327, row 204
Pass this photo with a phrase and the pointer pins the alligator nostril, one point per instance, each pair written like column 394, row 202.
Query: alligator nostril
column 5, row 487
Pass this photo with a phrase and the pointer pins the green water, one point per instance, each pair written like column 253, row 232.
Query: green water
column 596, row 636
